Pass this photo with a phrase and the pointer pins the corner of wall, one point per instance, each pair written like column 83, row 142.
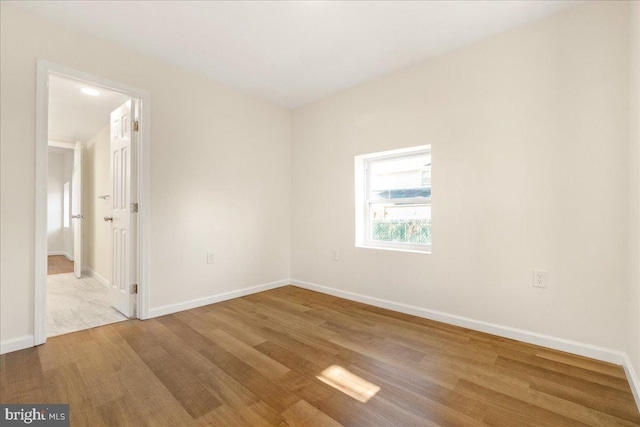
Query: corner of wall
column 633, row 378
column 632, row 357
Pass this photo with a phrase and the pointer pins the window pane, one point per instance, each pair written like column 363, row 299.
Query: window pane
column 404, row 177
column 400, row 223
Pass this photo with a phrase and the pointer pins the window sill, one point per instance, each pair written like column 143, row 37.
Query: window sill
column 426, row 251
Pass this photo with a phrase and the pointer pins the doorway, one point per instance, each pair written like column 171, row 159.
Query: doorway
column 60, row 257
column 91, row 180
column 80, row 274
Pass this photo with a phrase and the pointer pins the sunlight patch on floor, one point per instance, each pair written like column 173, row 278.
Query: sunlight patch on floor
column 348, row 383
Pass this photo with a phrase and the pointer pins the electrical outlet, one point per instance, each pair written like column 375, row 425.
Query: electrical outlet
column 210, row 258
column 335, row 255
column 539, row 279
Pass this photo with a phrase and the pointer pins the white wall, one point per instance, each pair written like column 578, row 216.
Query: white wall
column 634, row 191
column 96, row 181
column 529, row 137
column 220, row 171
column 55, row 191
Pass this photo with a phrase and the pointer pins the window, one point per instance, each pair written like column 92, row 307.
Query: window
column 393, row 199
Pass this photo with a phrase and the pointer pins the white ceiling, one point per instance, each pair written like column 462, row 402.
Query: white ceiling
column 74, row 116
column 293, row 53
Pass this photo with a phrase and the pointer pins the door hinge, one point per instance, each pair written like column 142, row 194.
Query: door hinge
column 134, row 289
column 134, row 208
column 135, row 126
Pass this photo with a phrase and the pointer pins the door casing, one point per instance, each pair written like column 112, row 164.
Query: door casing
column 43, row 70
column 76, row 208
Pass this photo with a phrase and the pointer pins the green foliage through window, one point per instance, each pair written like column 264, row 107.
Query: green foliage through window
column 416, row 231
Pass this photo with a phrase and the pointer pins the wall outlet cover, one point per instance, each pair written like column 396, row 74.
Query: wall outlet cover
column 539, row 278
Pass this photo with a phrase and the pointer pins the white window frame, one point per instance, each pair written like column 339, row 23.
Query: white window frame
column 363, row 203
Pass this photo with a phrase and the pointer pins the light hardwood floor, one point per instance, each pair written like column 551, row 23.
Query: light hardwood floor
column 254, row 361
column 58, row 264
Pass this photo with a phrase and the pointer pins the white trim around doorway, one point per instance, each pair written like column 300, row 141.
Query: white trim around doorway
column 44, row 69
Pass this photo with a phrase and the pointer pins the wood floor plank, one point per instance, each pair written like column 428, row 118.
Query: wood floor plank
column 230, row 417
column 226, row 389
column 58, row 264
column 202, row 322
column 534, row 361
column 267, row 390
column 301, row 414
column 184, row 387
column 288, row 358
column 263, row 360
column 119, row 412
column 526, row 412
column 22, row 368
column 582, row 362
column 261, row 363
column 316, row 350
column 553, row 376
column 619, row 405
column 499, row 380
column 417, row 395
column 338, row 406
column 237, row 400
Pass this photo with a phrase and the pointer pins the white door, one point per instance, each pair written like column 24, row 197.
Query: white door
column 76, row 208
column 123, row 218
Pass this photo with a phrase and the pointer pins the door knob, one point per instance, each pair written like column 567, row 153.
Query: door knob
column 108, row 218
column 78, row 216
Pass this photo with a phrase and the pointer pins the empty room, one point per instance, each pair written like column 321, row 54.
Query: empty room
column 320, row 213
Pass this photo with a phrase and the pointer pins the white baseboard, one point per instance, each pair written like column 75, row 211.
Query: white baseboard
column 63, row 253
column 634, row 380
column 582, row 349
column 92, row 273
column 15, row 344
column 174, row 308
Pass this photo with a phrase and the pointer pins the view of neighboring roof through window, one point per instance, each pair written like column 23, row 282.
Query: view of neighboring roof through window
column 401, row 178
